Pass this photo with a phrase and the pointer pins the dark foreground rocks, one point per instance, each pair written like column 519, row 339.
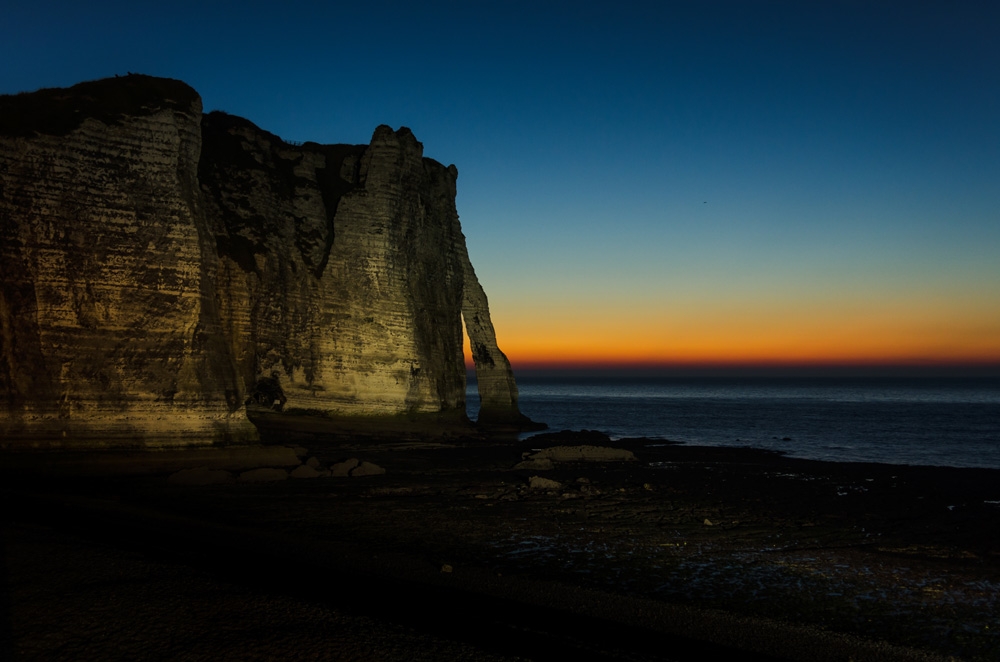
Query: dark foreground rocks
column 677, row 554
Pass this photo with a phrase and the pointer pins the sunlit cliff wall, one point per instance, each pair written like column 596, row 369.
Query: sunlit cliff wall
column 155, row 263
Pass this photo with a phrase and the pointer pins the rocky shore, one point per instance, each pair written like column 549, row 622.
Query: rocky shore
column 562, row 545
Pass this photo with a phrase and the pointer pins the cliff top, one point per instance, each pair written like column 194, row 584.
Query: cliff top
column 57, row 111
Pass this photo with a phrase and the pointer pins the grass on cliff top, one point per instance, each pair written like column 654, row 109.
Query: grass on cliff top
column 57, row 111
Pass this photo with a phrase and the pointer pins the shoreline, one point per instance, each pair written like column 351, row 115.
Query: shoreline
column 753, row 542
column 894, row 421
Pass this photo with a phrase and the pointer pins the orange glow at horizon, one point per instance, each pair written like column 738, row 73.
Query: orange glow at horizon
column 779, row 334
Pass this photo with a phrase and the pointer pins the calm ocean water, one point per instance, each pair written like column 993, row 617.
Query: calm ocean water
column 945, row 422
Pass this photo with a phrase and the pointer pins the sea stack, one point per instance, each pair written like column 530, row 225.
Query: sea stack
column 160, row 266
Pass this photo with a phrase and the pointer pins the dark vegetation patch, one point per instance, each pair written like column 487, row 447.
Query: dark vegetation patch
column 227, row 161
column 333, row 186
column 57, row 111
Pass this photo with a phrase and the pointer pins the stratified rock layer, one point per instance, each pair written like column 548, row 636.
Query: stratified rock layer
column 155, row 264
column 341, row 267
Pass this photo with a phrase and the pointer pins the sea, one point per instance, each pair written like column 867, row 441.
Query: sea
column 951, row 421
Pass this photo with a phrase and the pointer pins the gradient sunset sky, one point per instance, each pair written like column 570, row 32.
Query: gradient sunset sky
column 678, row 183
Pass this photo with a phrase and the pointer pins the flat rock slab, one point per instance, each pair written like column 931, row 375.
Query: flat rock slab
column 532, row 464
column 582, row 454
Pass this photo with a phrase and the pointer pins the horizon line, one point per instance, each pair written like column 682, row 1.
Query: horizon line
column 760, row 368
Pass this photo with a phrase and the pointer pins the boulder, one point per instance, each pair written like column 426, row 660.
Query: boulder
column 541, row 483
column 343, row 469
column 305, row 471
column 367, row 469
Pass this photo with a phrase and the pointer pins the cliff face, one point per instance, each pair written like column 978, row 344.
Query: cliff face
column 156, row 264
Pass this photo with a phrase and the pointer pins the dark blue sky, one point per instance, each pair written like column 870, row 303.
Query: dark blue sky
column 737, row 180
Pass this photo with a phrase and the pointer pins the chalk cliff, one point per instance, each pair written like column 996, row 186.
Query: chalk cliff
column 156, row 263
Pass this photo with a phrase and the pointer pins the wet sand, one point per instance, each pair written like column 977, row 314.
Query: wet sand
column 451, row 554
